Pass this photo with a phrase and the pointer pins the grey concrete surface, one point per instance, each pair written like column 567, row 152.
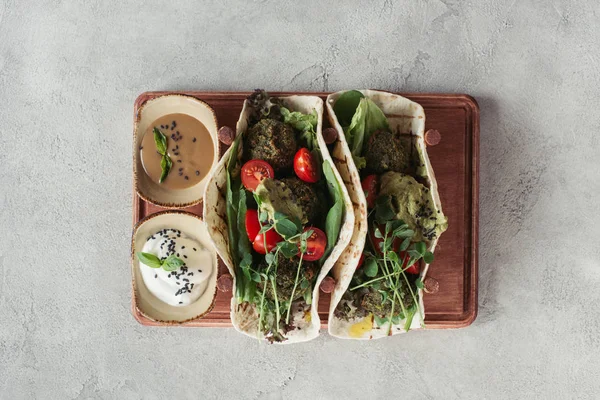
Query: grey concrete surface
column 69, row 73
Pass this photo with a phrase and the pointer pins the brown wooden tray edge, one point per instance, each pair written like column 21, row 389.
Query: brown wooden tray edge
column 469, row 101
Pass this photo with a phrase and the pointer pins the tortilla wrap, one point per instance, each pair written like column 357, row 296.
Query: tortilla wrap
column 244, row 317
column 405, row 117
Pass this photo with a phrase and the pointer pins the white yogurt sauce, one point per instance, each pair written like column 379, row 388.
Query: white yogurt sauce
column 185, row 285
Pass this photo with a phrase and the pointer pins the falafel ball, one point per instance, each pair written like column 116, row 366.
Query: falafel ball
column 286, row 275
column 385, row 153
column 271, row 141
column 305, row 195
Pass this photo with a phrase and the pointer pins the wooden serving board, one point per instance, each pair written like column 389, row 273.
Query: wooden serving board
column 455, row 161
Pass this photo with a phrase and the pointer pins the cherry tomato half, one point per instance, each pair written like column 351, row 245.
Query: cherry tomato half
column 305, row 166
column 369, row 186
column 272, row 239
column 413, row 269
column 254, row 171
column 376, row 241
column 252, row 224
column 315, row 245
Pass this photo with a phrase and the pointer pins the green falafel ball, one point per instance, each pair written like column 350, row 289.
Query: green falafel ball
column 271, row 141
column 384, row 153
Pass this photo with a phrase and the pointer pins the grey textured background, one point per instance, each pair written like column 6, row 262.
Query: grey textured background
column 69, row 74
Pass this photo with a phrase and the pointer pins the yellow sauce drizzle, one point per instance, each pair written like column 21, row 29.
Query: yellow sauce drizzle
column 358, row 329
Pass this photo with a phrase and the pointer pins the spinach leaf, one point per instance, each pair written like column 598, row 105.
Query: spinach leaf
column 345, row 106
column 367, row 119
column 333, row 221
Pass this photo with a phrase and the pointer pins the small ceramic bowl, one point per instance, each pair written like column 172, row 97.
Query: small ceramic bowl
column 149, row 112
column 145, row 303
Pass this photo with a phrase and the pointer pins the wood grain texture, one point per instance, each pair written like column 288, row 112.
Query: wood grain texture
column 455, row 161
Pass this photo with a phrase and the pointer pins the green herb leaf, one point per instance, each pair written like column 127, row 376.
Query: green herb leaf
column 265, row 228
column 404, row 233
column 255, row 276
column 405, row 243
column 384, row 210
column 304, row 284
column 263, row 217
column 149, row 259
column 165, row 165
column 172, row 263
column 288, row 249
column 379, row 321
column 285, row 227
column 393, row 256
column 396, row 319
column 345, row 106
column 333, row 221
column 414, row 254
column 161, row 142
column 419, row 283
column 421, row 247
column 270, row 258
column 370, row 269
column 378, row 233
column 428, row 257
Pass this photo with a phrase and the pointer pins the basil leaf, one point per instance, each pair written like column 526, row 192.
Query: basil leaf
column 172, row 263
column 149, row 259
column 165, row 165
column 371, row 267
column 345, row 106
column 160, row 141
column 419, row 283
column 428, row 257
column 421, row 247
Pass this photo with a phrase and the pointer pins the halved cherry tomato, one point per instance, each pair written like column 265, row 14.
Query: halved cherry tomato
column 361, row 260
column 376, row 241
column 315, row 245
column 413, row 269
column 369, row 186
column 254, row 171
column 305, row 166
column 272, row 239
column 252, row 224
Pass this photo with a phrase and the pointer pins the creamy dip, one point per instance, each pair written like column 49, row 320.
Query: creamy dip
column 189, row 145
column 186, row 284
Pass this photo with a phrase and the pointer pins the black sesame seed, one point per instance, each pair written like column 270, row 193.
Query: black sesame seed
column 181, row 302
column 195, row 248
column 186, row 178
column 178, row 160
column 197, row 173
column 184, row 256
column 194, row 140
column 155, row 276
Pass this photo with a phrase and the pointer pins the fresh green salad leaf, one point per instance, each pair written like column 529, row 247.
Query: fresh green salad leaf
column 366, row 118
column 428, row 257
column 345, row 106
column 305, row 123
column 165, row 165
column 333, row 221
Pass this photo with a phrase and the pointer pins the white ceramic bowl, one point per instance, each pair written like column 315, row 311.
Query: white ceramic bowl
column 144, row 301
column 149, row 112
